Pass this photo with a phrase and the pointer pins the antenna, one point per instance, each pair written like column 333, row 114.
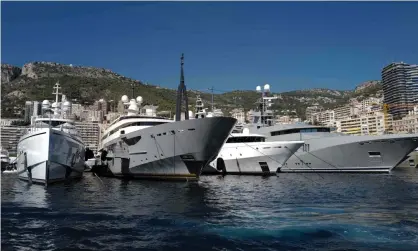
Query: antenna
column 56, row 89
column 182, row 94
column 133, row 89
column 211, row 89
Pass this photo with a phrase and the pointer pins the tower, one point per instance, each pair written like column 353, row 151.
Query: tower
column 182, row 95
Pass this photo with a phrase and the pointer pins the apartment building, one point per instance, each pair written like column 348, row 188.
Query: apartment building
column 311, row 110
column 373, row 123
column 400, row 87
column 239, row 115
column 408, row 124
column 10, row 136
column 90, row 134
column 345, row 111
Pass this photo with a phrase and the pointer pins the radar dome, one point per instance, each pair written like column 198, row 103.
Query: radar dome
column 258, row 88
column 66, row 106
column 125, row 99
column 133, row 107
column 139, row 99
column 45, row 104
column 267, row 88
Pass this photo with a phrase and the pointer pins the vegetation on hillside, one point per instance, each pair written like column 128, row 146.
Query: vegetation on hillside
column 86, row 86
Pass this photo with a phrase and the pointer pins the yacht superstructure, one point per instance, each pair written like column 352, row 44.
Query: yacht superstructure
column 324, row 151
column 51, row 150
column 246, row 153
column 155, row 147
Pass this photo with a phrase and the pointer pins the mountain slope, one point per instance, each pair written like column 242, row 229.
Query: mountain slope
column 34, row 81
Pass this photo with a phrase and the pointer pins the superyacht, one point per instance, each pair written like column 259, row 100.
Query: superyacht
column 245, row 153
column 51, row 150
column 143, row 146
column 324, row 151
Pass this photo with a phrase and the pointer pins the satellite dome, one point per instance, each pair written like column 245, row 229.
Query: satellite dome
column 133, row 107
column 125, row 99
column 45, row 104
column 66, row 105
column 267, row 87
column 139, row 99
column 258, row 89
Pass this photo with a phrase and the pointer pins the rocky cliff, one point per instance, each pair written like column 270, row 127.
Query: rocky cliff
column 9, row 73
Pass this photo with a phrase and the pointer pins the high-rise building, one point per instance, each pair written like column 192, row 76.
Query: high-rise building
column 37, row 108
column 28, row 111
column 400, row 87
column 90, row 133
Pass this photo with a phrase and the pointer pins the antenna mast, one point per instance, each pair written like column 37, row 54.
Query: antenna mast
column 182, row 94
column 56, row 88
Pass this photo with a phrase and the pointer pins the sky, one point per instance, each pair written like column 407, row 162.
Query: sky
column 227, row 45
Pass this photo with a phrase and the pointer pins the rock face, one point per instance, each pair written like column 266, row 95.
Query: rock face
column 36, row 70
column 366, row 85
column 9, row 73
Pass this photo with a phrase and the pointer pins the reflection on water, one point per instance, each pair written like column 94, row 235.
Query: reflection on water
column 288, row 212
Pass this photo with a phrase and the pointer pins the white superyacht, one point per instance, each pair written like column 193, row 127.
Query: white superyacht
column 248, row 153
column 142, row 146
column 51, row 150
column 324, row 151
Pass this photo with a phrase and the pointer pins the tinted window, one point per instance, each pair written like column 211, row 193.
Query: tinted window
column 300, row 130
column 245, row 139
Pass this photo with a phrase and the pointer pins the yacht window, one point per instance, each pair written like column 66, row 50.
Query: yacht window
column 245, row 139
column 46, row 123
column 142, row 123
column 374, row 154
column 300, row 130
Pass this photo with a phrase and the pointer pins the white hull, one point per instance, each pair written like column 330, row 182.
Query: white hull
column 177, row 150
column 410, row 161
column 47, row 156
column 253, row 158
column 351, row 154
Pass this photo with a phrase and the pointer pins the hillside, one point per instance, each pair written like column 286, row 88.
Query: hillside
column 34, row 81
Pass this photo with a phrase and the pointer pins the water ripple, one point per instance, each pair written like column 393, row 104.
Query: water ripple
column 288, row 212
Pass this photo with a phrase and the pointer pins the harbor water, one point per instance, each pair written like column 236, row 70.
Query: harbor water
column 284, row 212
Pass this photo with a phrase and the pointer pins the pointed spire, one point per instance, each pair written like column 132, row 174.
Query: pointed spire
column 182, row 94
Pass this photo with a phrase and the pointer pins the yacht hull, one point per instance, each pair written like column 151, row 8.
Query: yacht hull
column 351, row 154
column 48, row 156
column 410, row 161
column 173, row 151
column 261, row 158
